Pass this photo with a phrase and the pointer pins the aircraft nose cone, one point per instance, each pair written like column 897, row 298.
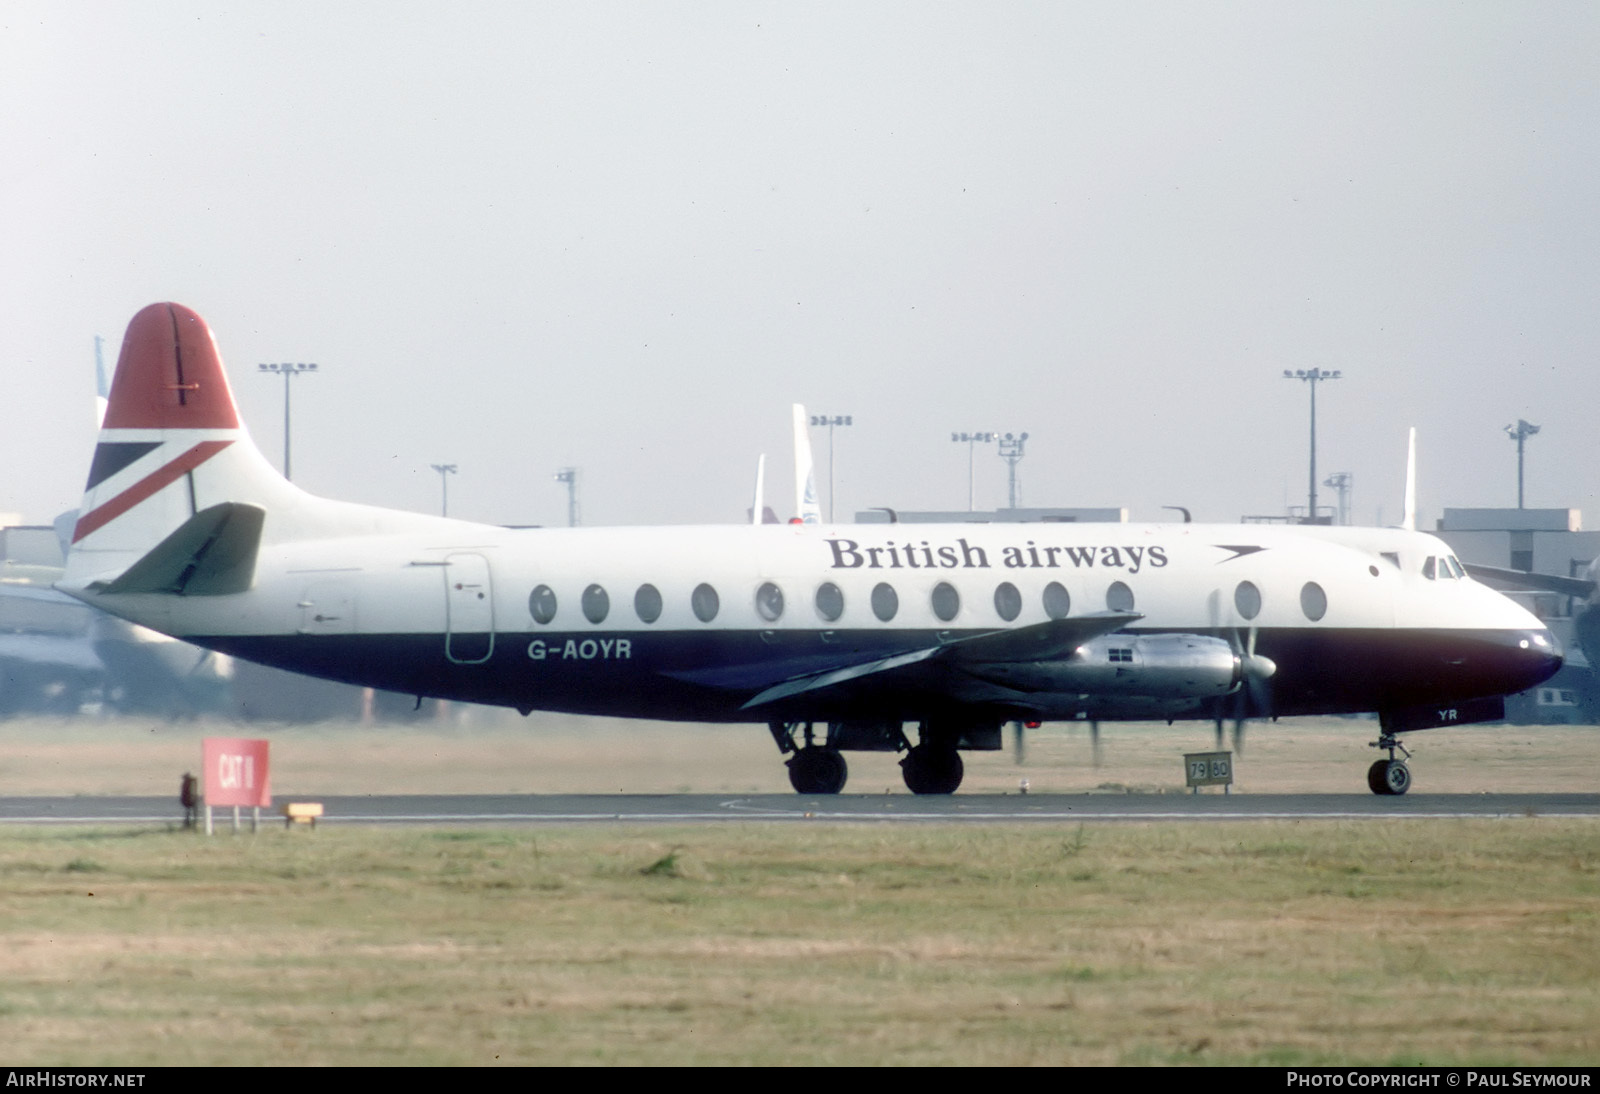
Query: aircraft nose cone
column 1540, row 657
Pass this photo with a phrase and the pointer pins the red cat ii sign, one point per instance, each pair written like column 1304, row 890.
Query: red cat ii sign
column 235, row 772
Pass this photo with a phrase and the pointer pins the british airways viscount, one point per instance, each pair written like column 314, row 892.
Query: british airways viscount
column 918, row 639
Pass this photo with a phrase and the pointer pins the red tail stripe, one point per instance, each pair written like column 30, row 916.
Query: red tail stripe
column 146, row 487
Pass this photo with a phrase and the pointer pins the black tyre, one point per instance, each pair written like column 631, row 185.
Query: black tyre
column 1389, row 777
column 930, row 770
column 817, row 770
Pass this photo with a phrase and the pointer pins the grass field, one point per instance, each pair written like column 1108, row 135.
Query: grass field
column 1305, row 943
column 1441, row 942
column 485, row 752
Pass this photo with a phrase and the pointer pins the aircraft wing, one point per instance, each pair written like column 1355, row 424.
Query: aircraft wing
column 1537, row 583
column 64, row 654
column 41, row 593
column 1040, row 642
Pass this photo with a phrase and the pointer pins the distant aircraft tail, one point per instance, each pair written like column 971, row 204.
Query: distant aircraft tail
column 1408, row 518
column 806, row 509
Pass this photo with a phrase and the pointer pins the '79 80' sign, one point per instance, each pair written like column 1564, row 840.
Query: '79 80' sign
column 1209, row 768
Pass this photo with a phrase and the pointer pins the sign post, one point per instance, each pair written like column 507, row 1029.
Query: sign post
column 1208, row 769
column 235, row 773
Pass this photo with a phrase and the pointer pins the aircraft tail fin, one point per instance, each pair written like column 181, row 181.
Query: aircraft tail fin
column 1408, row 520
column 172, row 448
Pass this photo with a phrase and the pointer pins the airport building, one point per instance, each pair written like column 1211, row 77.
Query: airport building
column 994, row 516
column 1539, row 542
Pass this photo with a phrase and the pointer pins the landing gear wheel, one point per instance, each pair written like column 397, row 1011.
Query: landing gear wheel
column 930, row 770
column 1389, row 777
column 818, row 770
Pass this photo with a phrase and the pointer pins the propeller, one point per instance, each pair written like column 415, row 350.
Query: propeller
column 1253, row 695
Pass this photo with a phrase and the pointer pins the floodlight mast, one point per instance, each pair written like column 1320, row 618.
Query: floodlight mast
column 971, row 440
column 445, row 471
column 1011, row 452
column 830, row 421
column 1312, row 376
column 569, row 476
column 1520, row 433
column 1341, row 481
column 288, row 371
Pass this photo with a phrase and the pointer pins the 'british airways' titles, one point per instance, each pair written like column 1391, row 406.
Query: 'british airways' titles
column 850, row 555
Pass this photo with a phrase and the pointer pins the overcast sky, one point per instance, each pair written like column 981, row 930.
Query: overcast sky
column 625, row 237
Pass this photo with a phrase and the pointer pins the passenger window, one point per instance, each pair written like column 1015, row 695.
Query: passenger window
column 705, row 602
column 542, row 604
column 1057, row 602
column 647, row 603
column 1313, row 601
column 885, row 601
column 596, row 604
column 1007, row 601
column 1247, row 598
column 830, row 602
column 769, row 602
column 946, row 601
column 1119, row 598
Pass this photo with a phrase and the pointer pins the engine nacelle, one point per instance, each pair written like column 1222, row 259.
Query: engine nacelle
column 1122, row 675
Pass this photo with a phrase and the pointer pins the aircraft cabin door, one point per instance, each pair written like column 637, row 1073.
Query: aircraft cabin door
column 469, row 609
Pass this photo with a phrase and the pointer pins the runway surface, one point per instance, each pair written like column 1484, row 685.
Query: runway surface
column 486, row 809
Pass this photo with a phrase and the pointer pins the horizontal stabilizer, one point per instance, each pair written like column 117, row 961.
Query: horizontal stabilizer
column 213, row 553
column 1039, row 642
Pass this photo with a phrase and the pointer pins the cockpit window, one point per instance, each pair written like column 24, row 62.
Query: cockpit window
column 1456, row 567
column 1427, row 567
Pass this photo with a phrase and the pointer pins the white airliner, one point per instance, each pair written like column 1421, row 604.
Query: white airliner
column 916, row 638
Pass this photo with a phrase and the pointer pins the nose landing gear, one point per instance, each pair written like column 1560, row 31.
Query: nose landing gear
column 1389, row 776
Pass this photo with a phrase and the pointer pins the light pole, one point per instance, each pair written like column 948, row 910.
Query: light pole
column 971, row 440
column 288, row 372
column 1312, row 376
column 1520, row 433
column 1341, row 481
column 445, row 471
column 569, row 475
column 1011, row 452
column 830, row 421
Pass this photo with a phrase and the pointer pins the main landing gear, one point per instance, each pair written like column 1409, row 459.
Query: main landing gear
column 818, row 770
column 815, row 767
column 933, row 766
column 1389, row 776
column 932, row 769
